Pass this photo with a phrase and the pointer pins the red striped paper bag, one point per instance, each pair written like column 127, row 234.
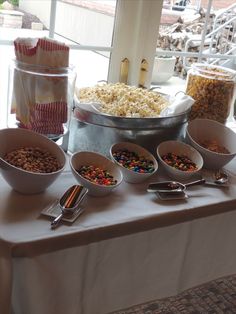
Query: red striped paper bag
column 43, row 104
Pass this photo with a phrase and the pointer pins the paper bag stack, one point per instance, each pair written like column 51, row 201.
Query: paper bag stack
column 40, row 87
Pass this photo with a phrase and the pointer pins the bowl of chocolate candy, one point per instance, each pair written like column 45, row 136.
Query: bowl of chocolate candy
column 96, row 172
column 180, row 160
column 136, row 163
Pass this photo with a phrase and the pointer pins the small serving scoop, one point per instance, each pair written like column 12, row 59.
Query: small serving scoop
column 221, row 177
column 171, row 186
column 69, row 202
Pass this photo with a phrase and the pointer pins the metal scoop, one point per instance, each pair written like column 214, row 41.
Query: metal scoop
column 218, row 179
column 69, row 202
column 221, row 177
column 171, row 186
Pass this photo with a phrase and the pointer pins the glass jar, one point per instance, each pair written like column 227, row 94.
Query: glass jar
column 40, row 98
column 213, row 89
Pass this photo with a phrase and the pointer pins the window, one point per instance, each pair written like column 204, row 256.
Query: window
column 96, row 58
column 199, row 30
column 102, row 33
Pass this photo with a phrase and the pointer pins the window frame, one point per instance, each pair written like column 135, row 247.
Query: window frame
column 135, row 41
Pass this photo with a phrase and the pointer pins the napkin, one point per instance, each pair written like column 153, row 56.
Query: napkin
column 178, row 104
column 39, row 97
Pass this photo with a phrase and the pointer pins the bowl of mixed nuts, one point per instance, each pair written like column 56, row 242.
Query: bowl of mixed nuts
column 29, row 161
column 215, row 142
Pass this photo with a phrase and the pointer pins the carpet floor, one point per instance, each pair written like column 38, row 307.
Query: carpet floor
column 215, row 297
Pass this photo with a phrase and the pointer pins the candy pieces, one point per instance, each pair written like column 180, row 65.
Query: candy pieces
column 179, row 162
column 133, row 161
column 97, row 175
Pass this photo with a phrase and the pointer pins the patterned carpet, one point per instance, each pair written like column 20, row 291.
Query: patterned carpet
column 215, row 297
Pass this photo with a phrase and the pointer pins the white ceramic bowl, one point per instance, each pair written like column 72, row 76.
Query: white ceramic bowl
column 130, row 175
column 200, row 130
column 163, row 69
column 180, row 149
column 21, row 180
column 86, row 158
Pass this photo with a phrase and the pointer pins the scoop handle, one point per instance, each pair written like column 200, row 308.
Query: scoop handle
column 56, row 221
column 200, row 181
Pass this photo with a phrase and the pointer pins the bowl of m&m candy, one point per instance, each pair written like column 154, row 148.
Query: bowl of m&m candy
column 180, row 160
column 96, row 172
column 136, row 163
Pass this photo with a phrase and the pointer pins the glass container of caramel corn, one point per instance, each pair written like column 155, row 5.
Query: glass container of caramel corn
column 213, row 88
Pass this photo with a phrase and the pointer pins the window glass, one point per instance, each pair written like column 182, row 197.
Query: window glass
column 8, row 53
column 91, row 67
column 90, row 22
column 190, row 30
column 83, row 22
column 102, row 33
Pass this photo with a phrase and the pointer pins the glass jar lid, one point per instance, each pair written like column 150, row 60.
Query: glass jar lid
column 215, row 71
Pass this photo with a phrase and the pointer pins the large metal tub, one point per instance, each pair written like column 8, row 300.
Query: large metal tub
column 97, row 132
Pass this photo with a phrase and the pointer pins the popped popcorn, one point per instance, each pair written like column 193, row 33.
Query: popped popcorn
column 124, row 101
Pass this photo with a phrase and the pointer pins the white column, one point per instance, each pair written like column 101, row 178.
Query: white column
column 135, row 40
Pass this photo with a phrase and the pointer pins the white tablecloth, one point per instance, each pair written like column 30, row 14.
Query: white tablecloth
column 127, row 248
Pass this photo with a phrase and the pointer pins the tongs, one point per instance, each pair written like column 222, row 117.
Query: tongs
column 69, row 203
